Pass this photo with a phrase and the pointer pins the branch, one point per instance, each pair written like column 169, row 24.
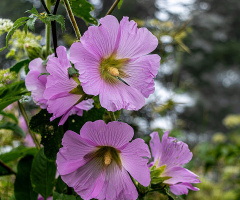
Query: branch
column 112, row 7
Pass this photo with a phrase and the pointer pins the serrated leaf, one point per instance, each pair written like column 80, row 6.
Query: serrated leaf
column 43, row 174
column 33, row 11
column 31, row 22
column 22, row 186
column 82, row 9
column 58, row 18
column 76, row 122
column 17, row 153
column 11, row 93
column 14, row 127
column 19, row 65
column 25, row 28
column 9, row 115
column 19, row 22
column 50, row 131
column 57, row 196
column 120, row 4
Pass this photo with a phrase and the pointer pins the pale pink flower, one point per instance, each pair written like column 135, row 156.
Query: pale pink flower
column 172, row 155
column 114, row 51
column 97, row 163
column 58, row 87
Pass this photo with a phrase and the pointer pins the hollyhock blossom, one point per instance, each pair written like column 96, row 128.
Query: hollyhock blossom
column 171, row 155
column 96, row 163
column 36, row 83
column 60, row 98
column 113, row 63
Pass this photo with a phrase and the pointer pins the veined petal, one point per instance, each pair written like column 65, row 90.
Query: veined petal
column 182, row 188
column 71, row 156
column 118, row 185
column 133, row 161
column 116, row 97
column 174, row 153
column 141, row 72
column 155, row 146
column 134, row 42
column 115, row 134
column 178, row 175
column 36, row 83
column 101, row 41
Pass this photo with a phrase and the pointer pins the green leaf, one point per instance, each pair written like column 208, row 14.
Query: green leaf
column 58, row 18
column 120, row 4
column 19, row 22
column 31, row 22
column 14, row 127
column 75, row 122
column 82, row 9
column 170, row 194
column 17, row 153
column 19, row 65
column 72, row 71
column 22, row 186
column 11, row 93
column 57, row 196
column 50, row 131
column 9, row 115
column 61, row 187
column 43, row 174
column 33, row 11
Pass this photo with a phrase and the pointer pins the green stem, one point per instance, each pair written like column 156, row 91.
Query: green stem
column 112, row 116
column 24, row 114
column 9, row 169
column 112, row 7
column 48, row 31
column 72, row 19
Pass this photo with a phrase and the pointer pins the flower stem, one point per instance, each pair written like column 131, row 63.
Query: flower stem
column 24, row 114
column 72, row 19
column 112, row 116
column 48, row 30
column 112, row 7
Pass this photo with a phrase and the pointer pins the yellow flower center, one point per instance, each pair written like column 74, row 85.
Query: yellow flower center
column 111, row 68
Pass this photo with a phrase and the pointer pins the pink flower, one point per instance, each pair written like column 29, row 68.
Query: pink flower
column 116, row 51
column 96, row 163
column 36, row 83
column 171, row 155
column 58, row 87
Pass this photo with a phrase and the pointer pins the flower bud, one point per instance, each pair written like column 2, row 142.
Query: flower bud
column 33, row 50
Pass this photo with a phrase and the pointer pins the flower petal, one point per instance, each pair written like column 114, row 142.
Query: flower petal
column 118, row 185
column 71, row 156
column 101, row 41
column 174, row 153
column 182, row 188
column 178, row 175
column 35, row 83
column 134, row 42
column 141, row 72
column 133, row 161
column 115, row 134
column 88, row 66
column 118, row 96
column 155, row 146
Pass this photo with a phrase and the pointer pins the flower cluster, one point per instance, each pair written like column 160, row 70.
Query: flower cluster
column 111, row 60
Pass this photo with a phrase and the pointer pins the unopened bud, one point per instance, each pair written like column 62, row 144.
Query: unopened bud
column 33, row 50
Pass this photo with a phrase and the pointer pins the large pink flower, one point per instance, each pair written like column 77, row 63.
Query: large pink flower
column 116, row 51
column 96, row 163
column 36, row 83
column 172, row 155
column 58, row 87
